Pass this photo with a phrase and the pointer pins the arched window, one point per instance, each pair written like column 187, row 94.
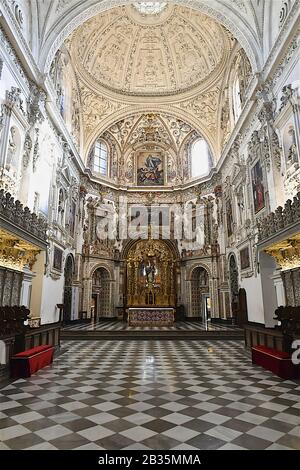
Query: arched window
column 236, row 98
column 200, row 159
column 100, row 163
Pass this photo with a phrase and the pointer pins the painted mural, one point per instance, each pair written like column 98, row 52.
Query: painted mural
column 150, row 171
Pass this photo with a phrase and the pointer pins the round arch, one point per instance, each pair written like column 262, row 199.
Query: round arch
column 74, row 17
column 130, row 111
column 201, row 293
column 69, row 271
column 130, row 244
column 70, row 259
column 195, row 266
column 102, row 266
column 101, row 293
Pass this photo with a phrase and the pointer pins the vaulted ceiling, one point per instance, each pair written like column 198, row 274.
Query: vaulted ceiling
column 130, row 58
column 58, row 18
column 163, row 52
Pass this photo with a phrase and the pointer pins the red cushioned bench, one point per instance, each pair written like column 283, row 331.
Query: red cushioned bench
column 28, row 362
column 278, row 362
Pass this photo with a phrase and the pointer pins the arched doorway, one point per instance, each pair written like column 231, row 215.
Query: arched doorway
column 243, row 308
column 100, row 306
column 68, row 274
column 151, row 274
column 234, row 286
column 200, row 294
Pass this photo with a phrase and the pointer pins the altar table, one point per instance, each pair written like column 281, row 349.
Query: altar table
column 144, row 316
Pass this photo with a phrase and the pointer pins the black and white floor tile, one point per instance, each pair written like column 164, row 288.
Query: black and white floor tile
column 115, row 325
column 151, row 395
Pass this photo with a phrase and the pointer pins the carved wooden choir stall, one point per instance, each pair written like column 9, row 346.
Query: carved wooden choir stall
column 281, row 362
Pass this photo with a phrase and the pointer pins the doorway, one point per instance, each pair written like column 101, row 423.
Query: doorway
column 100, row 302
column 206, row 308
column 68, row 274
column 234, row 287
column 93, row 307
column 243, row 308
column 200, row 295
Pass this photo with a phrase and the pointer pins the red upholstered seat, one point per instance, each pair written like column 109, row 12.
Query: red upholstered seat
column 278, row 362
column 28, row 362
column 33, row 351
column 272, row 352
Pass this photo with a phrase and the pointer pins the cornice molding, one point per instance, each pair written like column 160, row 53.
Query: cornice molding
column 26, row 58
column 13, row 62
column 59, row 124
column 279, row 47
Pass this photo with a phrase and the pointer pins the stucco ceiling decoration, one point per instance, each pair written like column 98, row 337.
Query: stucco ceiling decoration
column 95, row 108
column 237, row 16
column 133, row 53
column 151, row 127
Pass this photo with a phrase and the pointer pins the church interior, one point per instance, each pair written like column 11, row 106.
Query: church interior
column 150, row 225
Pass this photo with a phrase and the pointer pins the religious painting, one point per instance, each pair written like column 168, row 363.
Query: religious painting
column 57, row 258
column 229, row 218
column 150, row 171
column 258, row 187
column 245, row 258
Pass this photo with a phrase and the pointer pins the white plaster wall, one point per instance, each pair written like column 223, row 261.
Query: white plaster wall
column 252, row 285
column 52, row 295
column 25, row 7
column 268, row 266
column 7, row 81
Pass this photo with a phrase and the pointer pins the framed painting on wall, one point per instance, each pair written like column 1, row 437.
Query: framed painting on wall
column 57, row 258
column 150, row 169
column 258, row 187
column 245, row 258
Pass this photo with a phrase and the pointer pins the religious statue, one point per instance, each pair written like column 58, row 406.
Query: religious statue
column 149, row 271
column 292, row 152
column 11, row 150
column 27, row 150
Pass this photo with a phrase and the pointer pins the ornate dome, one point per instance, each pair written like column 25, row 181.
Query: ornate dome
column 140, row 51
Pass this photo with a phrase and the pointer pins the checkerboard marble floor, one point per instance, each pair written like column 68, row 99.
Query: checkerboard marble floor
column 115, row 325
column 151, row 395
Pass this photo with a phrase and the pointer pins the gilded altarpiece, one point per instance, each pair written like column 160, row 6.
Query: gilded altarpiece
column 151, row 277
